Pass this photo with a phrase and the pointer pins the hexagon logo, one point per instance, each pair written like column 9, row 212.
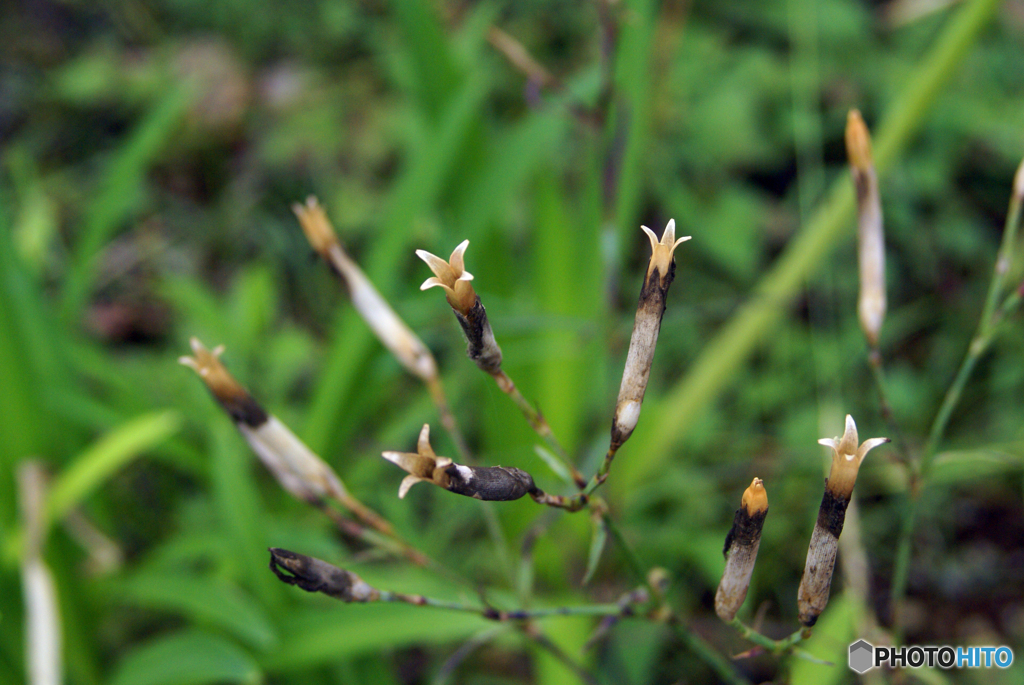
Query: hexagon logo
column 862, row 655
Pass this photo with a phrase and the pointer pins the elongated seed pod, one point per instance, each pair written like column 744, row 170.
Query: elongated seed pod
column 653, row 295
column 816, row 583
column 293, row 464
column 405, row 345
column 314, row 575
column 871, row 302
column 491, row 483
column 740, row 550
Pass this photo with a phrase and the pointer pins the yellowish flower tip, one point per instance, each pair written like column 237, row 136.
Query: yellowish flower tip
column 424, row 465
column 207, row 364
column 755, row 498
column 662, row 251
column 452, row 276
column 847, row 456
column 858, row 142
column 315, row 225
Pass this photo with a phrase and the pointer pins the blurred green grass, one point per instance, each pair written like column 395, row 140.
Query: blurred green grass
column 151, row 152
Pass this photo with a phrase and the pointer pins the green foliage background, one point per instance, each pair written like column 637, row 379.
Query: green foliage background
column 151, row 151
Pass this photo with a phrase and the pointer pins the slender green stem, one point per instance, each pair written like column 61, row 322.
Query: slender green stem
column 1005, row 256
column 991, row 316
column 501, row 615
column 539, row 424
column 756, row 320
column 776, row 647
column 878, row 373
column 444, row 411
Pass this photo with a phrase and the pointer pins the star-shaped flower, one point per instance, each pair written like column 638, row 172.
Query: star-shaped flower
column 662, row 251
column 423, row 465
column 847, row 455
column 452, row 276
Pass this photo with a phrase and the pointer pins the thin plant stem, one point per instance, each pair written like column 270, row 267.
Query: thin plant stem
column 539, row 424
column 991, row 316
column 389, row 542
column 777, row 647
column 500, row 615
column 885, row 407
column 448, row 421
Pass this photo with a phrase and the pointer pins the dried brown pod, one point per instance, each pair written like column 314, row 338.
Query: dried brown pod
column 871, row 302
column 816, row 583
column 294, row 465
column 371, row 305
column 314, row 575
column 644, row 340
column 491, row 483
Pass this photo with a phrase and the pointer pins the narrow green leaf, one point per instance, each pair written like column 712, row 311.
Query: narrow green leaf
column 190, row 657
column 207, row 600
column 97, row 463
column 596, row 547
column 553, row 462
column 956, row 467
column 119, row 192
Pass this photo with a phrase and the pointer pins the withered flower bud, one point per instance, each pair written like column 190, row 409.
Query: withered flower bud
column 815, row 585
column 492, row 483
column 314, row 575
column 871, row 304
column 647, row 324
column 292, row 463
column 371, row 305
column 740, row 550
column 452, row 276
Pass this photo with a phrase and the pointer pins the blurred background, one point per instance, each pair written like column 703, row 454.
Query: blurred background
column 150, row 154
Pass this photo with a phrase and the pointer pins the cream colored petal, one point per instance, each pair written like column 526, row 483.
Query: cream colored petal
column 440, row 267
column 870, row 445
column 404, row 460
column 407, row 483
column 848, row 444
column 653, row 238
column 433, row 281
column 457, row 261
column 830, row 442
column 680, row 241
column 669, row 235
column 423, row 443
